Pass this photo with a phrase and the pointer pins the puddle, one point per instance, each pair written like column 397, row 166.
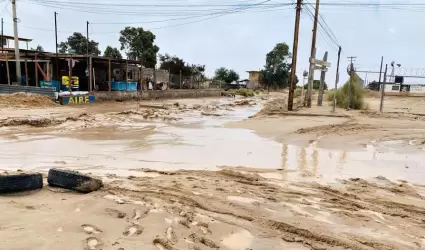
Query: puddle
column 238, row 241
column 202, row 143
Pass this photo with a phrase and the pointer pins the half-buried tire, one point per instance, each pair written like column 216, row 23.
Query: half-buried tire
column 73, row 180
column 20, row 182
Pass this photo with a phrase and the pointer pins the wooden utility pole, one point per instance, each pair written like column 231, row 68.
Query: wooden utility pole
column 2, row 41
column 15, row 33
column 322, row 81
column 312, row 56
column 381, row 106
column 57, row 56
column 337, row 77
column 294, row 56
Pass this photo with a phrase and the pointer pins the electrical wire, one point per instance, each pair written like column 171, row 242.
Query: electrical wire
column 322, row 28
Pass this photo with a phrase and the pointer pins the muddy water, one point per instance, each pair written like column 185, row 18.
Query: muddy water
column 200, row 142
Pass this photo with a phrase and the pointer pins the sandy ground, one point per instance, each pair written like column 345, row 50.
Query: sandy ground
column 248, row 202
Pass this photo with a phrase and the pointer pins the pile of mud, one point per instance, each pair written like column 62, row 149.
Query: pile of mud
column 26, row 100
column 150, row 114
column 274, row 107
column 39, row 122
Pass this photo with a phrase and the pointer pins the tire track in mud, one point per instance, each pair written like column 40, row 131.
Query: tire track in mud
column 176, row 190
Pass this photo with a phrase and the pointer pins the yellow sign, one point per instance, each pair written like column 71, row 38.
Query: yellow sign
column 78, row 99
column 74, row 80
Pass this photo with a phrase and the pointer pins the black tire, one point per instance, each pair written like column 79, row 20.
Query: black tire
column 20, row 182
column 73, row 180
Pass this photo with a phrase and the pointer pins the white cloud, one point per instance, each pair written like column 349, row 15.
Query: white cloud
column 392, row 30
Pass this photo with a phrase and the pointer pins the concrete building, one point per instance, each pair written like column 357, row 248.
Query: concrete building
column 254, row 79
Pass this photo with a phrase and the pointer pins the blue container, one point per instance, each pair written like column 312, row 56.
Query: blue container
column 124, row 86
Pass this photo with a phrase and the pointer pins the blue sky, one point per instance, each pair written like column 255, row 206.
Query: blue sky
column 242, row 40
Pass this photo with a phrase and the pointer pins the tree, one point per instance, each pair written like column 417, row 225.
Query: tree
column 39, row 48
column 78, row 44
column 276, row 72
column 316, row 85
column 176, row 65
column 112, row 53
column 226, row 75
column 139, row 45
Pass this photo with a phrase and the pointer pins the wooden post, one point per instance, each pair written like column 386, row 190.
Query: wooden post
column 142, row 80
column 109, row 75
column 90, row 74
column 126, row 75
column 7, row 69
column 36, row 71
column 70, row 74
column 26, row 72
column 48, row 73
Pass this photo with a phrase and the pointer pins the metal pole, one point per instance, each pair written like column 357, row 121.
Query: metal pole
column 381, row 107
column 15, row 33
column 337, row 77
column 57, row 56
column 312, row 55
column 294, row 56
column 380, row 71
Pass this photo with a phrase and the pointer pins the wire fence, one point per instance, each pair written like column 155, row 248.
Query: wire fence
column 192, row 82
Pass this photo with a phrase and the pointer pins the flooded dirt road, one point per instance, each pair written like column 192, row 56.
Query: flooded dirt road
column 203, row 176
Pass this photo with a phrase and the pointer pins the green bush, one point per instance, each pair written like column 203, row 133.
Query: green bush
column 342, row 96
column 243, row 92
column 297, row 92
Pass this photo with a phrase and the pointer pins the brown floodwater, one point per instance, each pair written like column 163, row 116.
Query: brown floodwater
column 121, row 146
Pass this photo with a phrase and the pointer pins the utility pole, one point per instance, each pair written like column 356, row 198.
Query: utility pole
column 87, row 53
column 2, row 40
column 88, row 40
column 312, row 56
column 15, row 33
column 57, row 56
column 2, row 37
column 294, row 56
column 381, row 106
column 322, row 81
column 380, row 71
column 350, row 94
column 337, row 77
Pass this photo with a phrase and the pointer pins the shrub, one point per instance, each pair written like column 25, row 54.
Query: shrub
column 243, row 92
column 342, row 96
column 297, row 92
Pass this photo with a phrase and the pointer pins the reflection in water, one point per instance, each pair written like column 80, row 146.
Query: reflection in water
column 315, row 161
column 342, row 161
column 302, row 163
column 156, row 145
column 284, row 160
